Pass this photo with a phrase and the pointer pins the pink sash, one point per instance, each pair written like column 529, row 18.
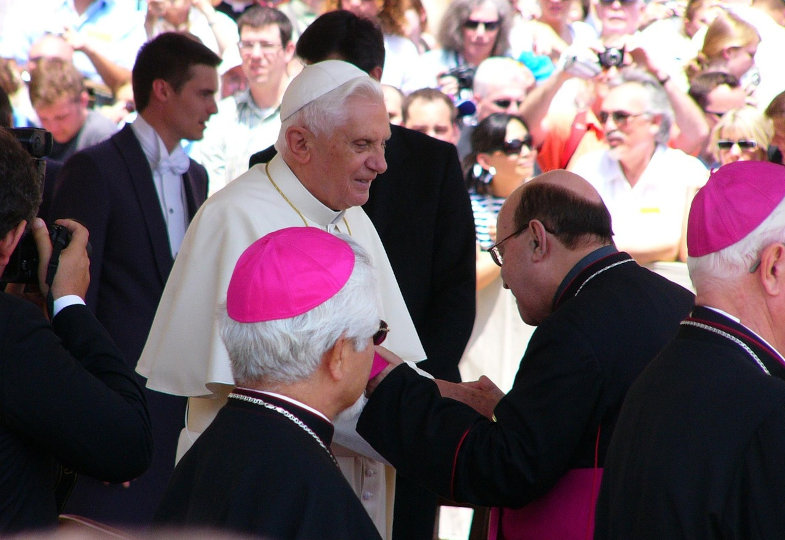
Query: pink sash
column 566, row 512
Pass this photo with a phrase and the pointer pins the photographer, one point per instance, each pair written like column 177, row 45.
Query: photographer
column 67, row 399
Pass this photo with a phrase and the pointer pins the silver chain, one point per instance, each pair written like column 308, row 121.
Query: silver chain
column 734, row 339
column 600, row 271
column 286, row 414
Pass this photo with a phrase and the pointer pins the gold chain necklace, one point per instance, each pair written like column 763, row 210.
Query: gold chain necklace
column 267, row 172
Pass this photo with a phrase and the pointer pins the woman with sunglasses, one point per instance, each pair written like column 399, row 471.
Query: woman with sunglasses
column 742, row 135
column 502, row 158
column 470, row 31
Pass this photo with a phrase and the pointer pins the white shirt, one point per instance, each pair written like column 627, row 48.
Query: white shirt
column 168, row 183
column 651, row 213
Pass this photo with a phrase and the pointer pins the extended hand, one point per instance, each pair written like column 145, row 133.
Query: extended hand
column 481, row 395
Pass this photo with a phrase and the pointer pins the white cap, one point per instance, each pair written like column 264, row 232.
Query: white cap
column 314, row 81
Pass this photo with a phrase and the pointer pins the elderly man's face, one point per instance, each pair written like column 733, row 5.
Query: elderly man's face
column 619, row 17
column 347, row 159
column 629, row 128
column 501, row 99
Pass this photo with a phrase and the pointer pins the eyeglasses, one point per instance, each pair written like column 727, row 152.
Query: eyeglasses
column 505, row 103
column 620, row 118
column 515, row 146
column 381, row 333
column 490, row 26
column 622, row 2
column 744, row 144
column 247, row 46
column 496, row 254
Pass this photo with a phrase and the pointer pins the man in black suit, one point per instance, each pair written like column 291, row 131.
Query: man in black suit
column 422, row 213
column 67, row 398
column 537, row 451
column 136, row 194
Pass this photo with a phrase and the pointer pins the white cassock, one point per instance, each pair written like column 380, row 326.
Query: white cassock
column 184, row 354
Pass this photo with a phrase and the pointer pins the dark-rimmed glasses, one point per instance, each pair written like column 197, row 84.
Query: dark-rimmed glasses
column 489, row 26
column 496, row 254
column 381, row 333
column 620, row 118
column 744, row 144
column 514, row 146
column 505, row 103
column 248, row 46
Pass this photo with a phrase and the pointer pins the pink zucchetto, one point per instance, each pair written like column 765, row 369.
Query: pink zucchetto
column 286, row 273
column 737, row 198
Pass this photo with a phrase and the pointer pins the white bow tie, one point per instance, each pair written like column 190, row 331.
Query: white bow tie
column 176, row 163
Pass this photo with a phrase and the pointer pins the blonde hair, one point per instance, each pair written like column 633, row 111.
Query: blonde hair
column 727, row 30
column 751, row 122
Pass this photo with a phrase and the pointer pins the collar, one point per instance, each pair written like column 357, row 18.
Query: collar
column 244, row 99
column 724, row 322
column 299, row 196
column 583, row 270
column 308, row 415
column 151, row 143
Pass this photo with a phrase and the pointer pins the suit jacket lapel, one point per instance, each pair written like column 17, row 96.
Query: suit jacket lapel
column 192, row 199
column 150, row 206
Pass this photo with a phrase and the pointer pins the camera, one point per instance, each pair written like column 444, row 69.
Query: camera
column 464, row 74
column 22, row 266
column 611, row 57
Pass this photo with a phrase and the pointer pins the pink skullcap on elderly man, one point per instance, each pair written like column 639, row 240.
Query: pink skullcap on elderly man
column 737, row 198
column 287, row 273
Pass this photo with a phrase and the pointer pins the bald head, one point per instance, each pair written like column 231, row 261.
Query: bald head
column 50, row 46
column 571, row 182
column 569, row 207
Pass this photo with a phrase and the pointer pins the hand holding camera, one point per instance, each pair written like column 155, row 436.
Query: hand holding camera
column 64, row 262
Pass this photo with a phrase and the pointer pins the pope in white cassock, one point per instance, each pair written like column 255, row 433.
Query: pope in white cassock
column 330, row 148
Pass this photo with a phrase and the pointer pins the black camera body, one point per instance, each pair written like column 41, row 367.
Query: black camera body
column 464, row 74
column 611, row 57
column 22, row 266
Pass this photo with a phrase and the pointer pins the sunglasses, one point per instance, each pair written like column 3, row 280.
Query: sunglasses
column 381, row 333
column 516, row 145
column 489, row 26
column 744, row 144
column 505, row 103
column 619, row 117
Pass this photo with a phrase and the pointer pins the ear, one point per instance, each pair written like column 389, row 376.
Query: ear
column 288, row 51
column 656, row 121
column 376, row 73
column 161, row 90
column 84, row 99
column 299, row 141
column 333, row 359
column 9, row 241
column 540, row 244
column 772, row 269
column 484, row 160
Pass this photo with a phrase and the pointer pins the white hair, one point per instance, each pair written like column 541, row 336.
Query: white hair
column 500, row 72
column 290, row 350
column 325, row 113
column 657, row 102
column 735, row 260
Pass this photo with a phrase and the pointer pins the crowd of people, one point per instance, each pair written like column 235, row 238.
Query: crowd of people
column 593, row 146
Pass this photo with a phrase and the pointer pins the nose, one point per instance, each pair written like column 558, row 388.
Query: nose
column 212, row 107
column 377, row 162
